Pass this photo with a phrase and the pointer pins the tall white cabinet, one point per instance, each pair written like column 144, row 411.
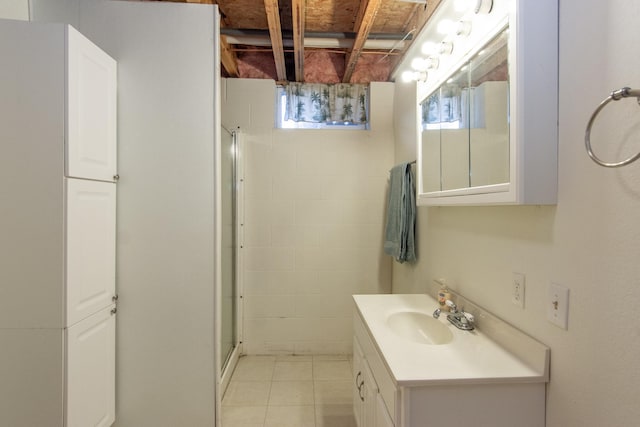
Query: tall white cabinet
column 57, row 228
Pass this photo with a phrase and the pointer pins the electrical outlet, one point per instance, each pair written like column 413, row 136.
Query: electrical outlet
column 558, row 305
column 517, row 290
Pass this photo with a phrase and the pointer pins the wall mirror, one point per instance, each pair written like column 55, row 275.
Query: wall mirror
column 465, row 124
column 487, row 126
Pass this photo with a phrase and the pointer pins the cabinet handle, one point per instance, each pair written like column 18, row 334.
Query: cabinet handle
column 360, row 391
column 114, row 298
column 116, row 177
column 114, row 311
column 358, row 376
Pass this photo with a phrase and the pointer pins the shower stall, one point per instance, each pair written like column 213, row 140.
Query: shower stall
column 228, row 307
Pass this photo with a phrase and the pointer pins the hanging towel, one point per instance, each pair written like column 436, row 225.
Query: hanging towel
column 399, row 239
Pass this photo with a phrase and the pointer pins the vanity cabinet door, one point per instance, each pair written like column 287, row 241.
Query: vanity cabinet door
column 382, row 416
column 358, row 383
column 371, row 395
column 90, row 110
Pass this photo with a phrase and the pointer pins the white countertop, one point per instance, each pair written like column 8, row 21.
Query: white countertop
column 470, row 358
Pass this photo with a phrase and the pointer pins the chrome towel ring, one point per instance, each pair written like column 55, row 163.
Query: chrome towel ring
column 616, row 95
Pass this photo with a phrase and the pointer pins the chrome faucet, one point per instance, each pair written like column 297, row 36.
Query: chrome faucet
column 460, row 319
column 452, row 306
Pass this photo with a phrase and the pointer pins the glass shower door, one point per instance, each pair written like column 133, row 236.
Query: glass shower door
column 229, row 239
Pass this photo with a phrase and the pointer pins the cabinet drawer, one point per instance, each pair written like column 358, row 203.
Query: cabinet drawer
column 387, row 388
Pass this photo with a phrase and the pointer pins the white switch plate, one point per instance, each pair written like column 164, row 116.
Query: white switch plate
column 517, row 289
column 558, row 305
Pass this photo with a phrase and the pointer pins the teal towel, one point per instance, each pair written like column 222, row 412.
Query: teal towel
column 399, row 239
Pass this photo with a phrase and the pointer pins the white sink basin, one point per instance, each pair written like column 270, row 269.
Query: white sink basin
column 419, row 327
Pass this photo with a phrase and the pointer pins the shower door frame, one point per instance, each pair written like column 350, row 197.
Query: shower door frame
column 227, row 365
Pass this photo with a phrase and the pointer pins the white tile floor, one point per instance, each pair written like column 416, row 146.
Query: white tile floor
column 289, row 391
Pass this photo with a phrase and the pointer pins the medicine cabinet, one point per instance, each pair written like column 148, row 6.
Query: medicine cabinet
column 487, row 123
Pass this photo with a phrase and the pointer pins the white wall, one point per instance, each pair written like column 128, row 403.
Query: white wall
column 589, row 242
column 314, row 219
column 14, row 9
column 166, row 127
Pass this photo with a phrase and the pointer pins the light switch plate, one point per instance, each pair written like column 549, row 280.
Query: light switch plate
column 558, row 305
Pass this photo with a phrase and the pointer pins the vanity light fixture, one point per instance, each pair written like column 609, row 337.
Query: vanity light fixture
column 445, row 48
column 420, row 76
column 424, row 64
column 484, row 7
column 419, row 64
column 477, row 6
column 445, row 27
column 407, row 76
column 456, row 24
column 417, row 76
column 429, row 48
column 464, row 5
column 463, row 28
column 432, row 62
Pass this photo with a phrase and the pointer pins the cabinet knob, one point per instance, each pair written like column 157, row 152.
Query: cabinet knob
column 116, row 177
column 114, row 311
column 114, row 298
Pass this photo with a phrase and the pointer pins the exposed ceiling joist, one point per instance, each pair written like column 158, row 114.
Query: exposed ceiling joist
column 273, row 19
column 364, row 22
column 331, row 43
column 298, row 15
column 228, row 58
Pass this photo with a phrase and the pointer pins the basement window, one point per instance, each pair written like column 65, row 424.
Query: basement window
column 322, row 106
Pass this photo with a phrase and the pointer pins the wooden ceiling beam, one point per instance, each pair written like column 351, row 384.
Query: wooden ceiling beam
column 228, row 58
column 298, row 15
column 364, row 23
column 275, row 31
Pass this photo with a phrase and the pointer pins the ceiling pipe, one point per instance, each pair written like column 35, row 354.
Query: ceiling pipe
column 288, row 34
column 335, row 40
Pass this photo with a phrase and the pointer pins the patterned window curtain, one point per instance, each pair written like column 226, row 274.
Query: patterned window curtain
column 326, row 103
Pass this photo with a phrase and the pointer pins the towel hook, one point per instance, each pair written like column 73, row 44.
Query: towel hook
column 616, row 95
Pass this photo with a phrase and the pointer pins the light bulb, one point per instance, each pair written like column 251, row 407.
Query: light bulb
column 464, row 5
column 419, row 64
column 428, row 48
column 446, row 26
column 407, row 76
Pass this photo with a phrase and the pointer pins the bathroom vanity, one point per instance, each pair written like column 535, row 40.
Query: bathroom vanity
column 412, row 370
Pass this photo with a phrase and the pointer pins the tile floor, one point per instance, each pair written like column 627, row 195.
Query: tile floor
column 289, row 391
